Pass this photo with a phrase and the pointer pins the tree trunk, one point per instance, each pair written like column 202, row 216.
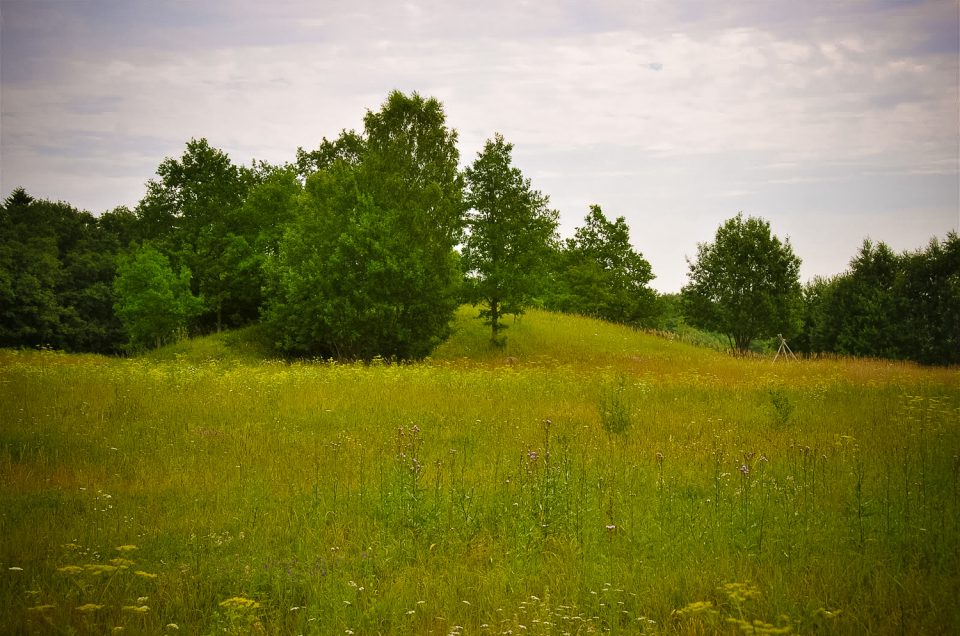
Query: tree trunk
column 494, row 318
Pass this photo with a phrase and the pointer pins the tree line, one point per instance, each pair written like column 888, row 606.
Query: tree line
column 366, row 246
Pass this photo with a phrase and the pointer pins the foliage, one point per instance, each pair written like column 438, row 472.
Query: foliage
column 928, row 290
column 153, row 303
column 599, row 274
column 56, row 269
column 746, row 284
column 511, row 232
column 348, row 147
column 367, row 268
column 195, row 212
column 888, row 305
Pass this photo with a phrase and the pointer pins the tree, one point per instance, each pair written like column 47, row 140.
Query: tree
column 193, row 212
column 510, row 235
column 601, row 275
column 56, row 268
column 30, row 272
column 367, row 267
column 863, row 304
column 928, row 298
column 348, row 147
column 746, row 284
column 153, row 303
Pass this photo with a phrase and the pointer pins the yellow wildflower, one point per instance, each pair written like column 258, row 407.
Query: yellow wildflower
column 100, row 568
column 134, row 609
column 126, row 548
column 146, row 575
column 70, row 569
column 695, row 607
column 41, row 608
column 89, row 607
column 238, row 602
column 121, row 562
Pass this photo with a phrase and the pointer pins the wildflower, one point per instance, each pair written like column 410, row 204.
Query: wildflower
column 100, row 568
column 15, row 569
column 121, row 562
column 70, row 569
column 146, row 575
column 744, row 470
column 89, row 608
column 135, row 609
column 41, row 608
column 239, row 602
column 126, row 548
column 173, row 626
column 659, row 458
column 695, row 607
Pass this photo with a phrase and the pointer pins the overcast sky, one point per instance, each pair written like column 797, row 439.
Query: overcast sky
column 835, row 120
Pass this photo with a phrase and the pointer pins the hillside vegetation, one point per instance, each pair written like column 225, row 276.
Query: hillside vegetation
column 584, row 478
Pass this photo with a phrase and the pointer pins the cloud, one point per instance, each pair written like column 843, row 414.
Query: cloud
column 745, row 104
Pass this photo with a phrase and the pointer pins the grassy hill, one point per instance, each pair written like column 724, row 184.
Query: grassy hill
column 584, row 478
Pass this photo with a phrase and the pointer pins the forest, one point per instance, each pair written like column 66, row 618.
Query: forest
column 366, row 246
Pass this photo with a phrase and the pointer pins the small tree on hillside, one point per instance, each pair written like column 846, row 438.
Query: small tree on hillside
column 510, row 235
column 746, row 284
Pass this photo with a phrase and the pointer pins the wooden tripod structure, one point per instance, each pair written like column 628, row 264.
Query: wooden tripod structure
column 784, row 349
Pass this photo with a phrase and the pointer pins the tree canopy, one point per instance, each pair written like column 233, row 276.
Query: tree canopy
column 367, row 267
column 600, row 274
column 746, row 284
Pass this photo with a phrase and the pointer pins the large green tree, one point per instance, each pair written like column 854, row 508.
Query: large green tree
column 746, row 284
column 368, row 267
column 194, row 212
column 599, row 274
column 511, row 233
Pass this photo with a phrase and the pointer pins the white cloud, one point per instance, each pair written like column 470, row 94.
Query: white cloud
column 674, row 114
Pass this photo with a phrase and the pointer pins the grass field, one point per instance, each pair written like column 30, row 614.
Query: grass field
column 584, row 479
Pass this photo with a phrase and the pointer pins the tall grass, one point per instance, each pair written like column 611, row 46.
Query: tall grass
column 585, row 478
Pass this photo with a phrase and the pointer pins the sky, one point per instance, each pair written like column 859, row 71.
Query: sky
column 834, row 120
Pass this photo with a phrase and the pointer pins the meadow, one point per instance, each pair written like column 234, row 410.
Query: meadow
column 585, row 478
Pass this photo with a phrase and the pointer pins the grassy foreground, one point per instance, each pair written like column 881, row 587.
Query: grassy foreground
column 585, row 479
